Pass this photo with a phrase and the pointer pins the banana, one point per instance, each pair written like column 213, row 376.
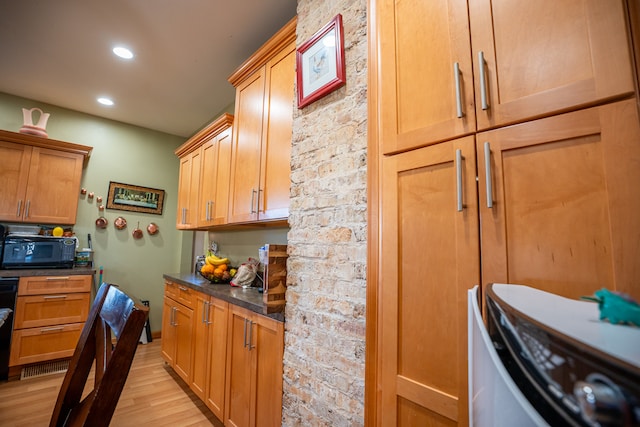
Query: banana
column 214, row 260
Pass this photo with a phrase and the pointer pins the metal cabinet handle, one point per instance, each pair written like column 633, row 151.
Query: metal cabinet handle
column 52, row 329
column 456, row 78
column 244, row 338
column 253, row 197
column 251, row 335
column 487, row 173
column 483, row 83
column 209, row 322
column 26, row 209
column 57, row 278
column 182, row 288
column 459, row 178
column 54, row 297
column 19, row 208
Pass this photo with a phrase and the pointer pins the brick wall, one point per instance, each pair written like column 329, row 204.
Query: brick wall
column 325, row 312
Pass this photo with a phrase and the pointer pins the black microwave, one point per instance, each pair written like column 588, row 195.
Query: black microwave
column 38, row 252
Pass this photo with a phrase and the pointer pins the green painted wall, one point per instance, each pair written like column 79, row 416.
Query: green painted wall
column 131, row 155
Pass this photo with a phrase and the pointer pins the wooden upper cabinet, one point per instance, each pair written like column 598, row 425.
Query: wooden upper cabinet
column 41, row 179
column 538, row 59
column 205, row 160
column 565, row 202
column 188, row 190
column 261, row 154
column 247, row 142
column 424, row 96
column 546, row 57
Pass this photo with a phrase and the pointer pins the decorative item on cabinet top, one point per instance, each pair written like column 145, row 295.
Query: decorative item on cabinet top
column 320, row 66
column 39, row 129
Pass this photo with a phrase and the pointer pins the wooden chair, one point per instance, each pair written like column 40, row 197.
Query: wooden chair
column 112, row 311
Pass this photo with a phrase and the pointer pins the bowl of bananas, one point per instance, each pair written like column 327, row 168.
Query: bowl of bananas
column 217, row 270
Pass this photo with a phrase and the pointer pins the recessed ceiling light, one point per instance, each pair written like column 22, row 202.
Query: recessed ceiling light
column 123, row 52
column 105, row 101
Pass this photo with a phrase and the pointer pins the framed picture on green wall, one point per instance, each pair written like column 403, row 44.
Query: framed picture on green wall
column 126, row 197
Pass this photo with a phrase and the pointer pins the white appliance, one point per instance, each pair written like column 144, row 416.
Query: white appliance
column 548, row 360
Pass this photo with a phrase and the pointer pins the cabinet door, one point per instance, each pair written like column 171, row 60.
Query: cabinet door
column 188, row 190
column 565, row 202
column 223, row 179
column 218, row 313
column 430, row 253
column 14, row 172
column 238, row 381
column 47, row 343
column 267, row 348
column 215, row 180
column 247, row 142
column 38, row 285
column 275, row 163
column 424, row 97
column 200, row 342
column 208, row 184
column 168, row 341
column 53, row 185
column 183, row 318
column 52, row 309
column 547, row 56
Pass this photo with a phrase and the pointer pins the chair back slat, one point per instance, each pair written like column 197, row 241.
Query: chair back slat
column 112, row 311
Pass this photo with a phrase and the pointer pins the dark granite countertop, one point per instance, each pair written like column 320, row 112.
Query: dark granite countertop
column 248, row 298
column 48, row 272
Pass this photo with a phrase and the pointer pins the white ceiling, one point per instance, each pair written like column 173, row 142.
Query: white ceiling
column 59, row 52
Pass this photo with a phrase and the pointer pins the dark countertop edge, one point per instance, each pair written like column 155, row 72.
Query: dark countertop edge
column 78, row 271
column 250, row 298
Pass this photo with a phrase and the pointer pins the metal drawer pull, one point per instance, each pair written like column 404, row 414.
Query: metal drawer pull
column 52, row 329
column 483, row 83
column 456, row 77
column 182, row 288
column 54, row 296
column 487, row 173
column 57, row 278
column 459, row 177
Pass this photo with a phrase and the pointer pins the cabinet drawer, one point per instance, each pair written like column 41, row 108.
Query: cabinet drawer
column 53, row 309
column 38, row 285
column 180, row 293
column 47, row 343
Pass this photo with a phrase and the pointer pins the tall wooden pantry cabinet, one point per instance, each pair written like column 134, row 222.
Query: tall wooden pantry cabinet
column 504, row 141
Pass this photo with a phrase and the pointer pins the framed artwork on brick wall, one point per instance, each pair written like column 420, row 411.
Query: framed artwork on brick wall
column 320, row 66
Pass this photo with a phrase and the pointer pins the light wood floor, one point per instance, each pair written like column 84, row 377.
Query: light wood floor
column 153, row 395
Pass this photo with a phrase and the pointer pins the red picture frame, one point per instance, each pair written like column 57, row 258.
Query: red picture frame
column 320, row 66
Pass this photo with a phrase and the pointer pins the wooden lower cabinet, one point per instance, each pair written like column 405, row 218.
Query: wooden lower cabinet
column 50, row 314
column 234, row 356
column 177, row 331
column 254, row 369
column 209, row 352
column 430, row 247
